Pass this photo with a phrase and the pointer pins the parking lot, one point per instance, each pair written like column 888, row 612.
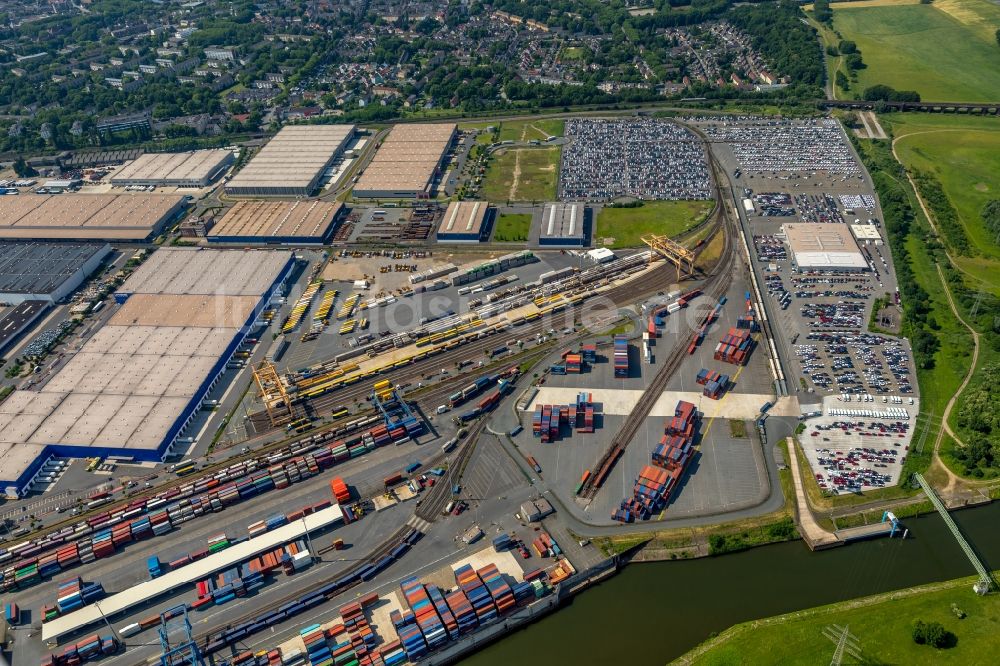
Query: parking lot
column 793, row 172
column 860, row 445
column 632, row 157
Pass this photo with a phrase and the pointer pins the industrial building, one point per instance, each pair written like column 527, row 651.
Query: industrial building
column 464, row 222
column 139, row 380
column 277, row 222
column 866, row 233
column 292, row 163
column 405, row 165
column 191, row 169
column 46, row 271
column 79, row 217
column 563, row 225
column 826, row 247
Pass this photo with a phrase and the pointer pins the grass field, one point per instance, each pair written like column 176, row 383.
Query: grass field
column 882, row 624
column 512, row 227
column 528, row 174
column 626, row 226
column 945, row 50
column 962, row 152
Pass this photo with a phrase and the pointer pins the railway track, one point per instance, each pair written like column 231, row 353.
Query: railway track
column 717, row 284
column 206, row 638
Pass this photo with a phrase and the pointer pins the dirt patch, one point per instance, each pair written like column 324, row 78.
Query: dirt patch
column 982, row 187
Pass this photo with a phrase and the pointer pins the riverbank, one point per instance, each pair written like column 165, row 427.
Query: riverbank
column 882, row 625
column 698, row 597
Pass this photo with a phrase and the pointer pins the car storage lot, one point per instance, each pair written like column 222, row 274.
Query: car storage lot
column 852, row 452
column 818, row 318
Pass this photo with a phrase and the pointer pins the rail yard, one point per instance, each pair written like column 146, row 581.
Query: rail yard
column 410, row 430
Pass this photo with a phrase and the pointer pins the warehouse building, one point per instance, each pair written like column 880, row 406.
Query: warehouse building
column 407, row 162
column 79, row 217
column 464, row 222
column 46, row 271
column 292, row 163
column 564, row 225
column 824, row 247
column 277, row 222
column 192, row 169
column 139, row 380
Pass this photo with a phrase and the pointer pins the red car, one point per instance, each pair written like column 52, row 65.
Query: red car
column 524, row 551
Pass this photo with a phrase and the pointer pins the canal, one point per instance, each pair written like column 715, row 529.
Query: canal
column 652, row 613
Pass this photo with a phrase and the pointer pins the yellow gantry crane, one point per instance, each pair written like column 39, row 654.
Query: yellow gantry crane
column 273, row 394
column 674, row 252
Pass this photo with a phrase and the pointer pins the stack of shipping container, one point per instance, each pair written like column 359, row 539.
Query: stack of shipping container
column 715, row 383
column 621, row 356
column 706, row 322
column 657, row 482
column 748, row 320
column 340, row 490
column 734, row 347
column 74, row 593
column 104, row 534
column 92, row 647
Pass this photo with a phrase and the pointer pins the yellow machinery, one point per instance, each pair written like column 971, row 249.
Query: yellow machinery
column 674, row 252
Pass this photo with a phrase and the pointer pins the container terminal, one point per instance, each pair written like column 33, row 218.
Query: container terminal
column 374, row 396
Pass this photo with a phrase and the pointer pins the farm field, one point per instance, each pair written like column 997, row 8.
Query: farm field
column 512, row 227
column 882, row 624
column 627, row 226
column 528, row 174
column 945, row 51
column 961, row 152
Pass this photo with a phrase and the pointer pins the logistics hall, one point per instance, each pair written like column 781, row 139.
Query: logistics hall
column 192, row 169
column 464, row 222
column 139, row 380
column 824, row 247
column 78, row 217
column 277, row 222
column 405, row 165
column 292, row 163
column 563, row 225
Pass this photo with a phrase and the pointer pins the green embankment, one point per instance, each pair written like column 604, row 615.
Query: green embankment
column 882, row 624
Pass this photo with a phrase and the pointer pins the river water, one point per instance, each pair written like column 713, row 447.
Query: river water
column 652, row 613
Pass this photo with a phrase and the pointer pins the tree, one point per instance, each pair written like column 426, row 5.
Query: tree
column 991, row 216
column 932, row 634
column 847, row 46
column 997, row 35
column 22, row 169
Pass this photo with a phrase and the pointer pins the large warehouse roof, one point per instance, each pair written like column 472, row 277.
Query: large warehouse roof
column 292, row 162
column 263, row 221
column 41, row 268
column 824, row 246
column 175, row 270
column 463, row 220
column 406, row 161
column 136, row 381
column 562, row 224
column 86, row 216
column 199, row 166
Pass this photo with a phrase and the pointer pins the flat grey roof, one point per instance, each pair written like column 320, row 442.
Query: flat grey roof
column 562, row 220
column 41, row 268
column 824, row 245
column 178, row 270
column 264, row 219
column 464, row 217
column 133, row 378
column 294, row 158
column 85, row 216
column 407, row 158
column 194, row 165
